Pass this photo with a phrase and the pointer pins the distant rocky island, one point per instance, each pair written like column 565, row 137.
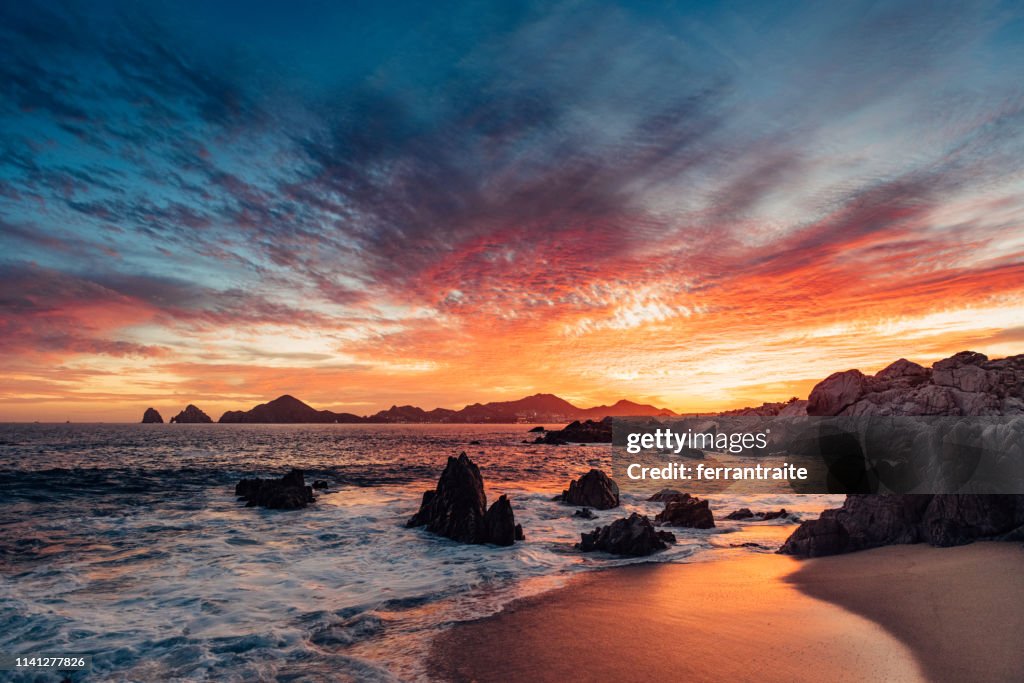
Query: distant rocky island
column 191, row 415
column 539, row 408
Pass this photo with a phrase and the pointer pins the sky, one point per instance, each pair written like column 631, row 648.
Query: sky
column 700, row 206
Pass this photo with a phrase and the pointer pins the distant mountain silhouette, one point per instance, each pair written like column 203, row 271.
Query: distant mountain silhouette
column 287, row 409
column 536, row 408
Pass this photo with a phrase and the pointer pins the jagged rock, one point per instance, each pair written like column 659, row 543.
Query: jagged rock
column 745, row 513
column 457, row 508
column 594, row 489
column 687, row 511
column 500, row 523
column 287, row 493
column 191, row 415
column 870, row 521
column 152, row 416
column 664, row 495
column 588, row 431
column 584, row 513
column 634, row 536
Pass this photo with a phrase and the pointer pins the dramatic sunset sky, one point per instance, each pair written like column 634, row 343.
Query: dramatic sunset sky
column 439, row 203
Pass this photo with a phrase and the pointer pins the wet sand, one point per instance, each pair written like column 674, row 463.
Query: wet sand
column 735, row 619
column 960, row 610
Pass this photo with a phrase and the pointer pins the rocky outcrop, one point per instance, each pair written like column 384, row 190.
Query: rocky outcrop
column 457, row 508
column 191, row 415
column 594, row 489
column 767, row 515
column 584, row 513
column 967, row 383
column 152, row 416
column 589, row 431
column 634, row 536
column 870, row 521
column 687, row 511
column 287, row 493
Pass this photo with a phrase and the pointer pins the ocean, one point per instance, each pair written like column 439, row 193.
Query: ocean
column 126, row 543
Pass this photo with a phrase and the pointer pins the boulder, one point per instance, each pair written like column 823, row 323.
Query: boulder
column 319, row 484
column 191, row 415
column 686, row 511
column 634, row 536
column 457, row 508
column 287, row 493
column 664, row 495
column 152, row 416
column 538, row 428
column 594, row 489
column 584, row 513
column 745, row 513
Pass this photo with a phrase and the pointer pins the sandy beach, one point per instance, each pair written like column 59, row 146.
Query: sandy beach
column 960, row 610
column 904, row 613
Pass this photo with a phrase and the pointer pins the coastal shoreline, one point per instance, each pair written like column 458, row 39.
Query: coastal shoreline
column 899, row 613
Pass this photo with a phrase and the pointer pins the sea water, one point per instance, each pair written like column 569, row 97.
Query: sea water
column 126, row 543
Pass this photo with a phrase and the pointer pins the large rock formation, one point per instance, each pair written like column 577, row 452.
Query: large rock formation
column 594, row 489
column 457, row 508
column 685, row 510
column 152, row 416
column 191, row 415
column 287, row 493
column 589, row 431
column 634, row 536
column 966, row 384
column 870, row 521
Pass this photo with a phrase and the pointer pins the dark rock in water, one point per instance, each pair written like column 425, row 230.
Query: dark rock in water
column 688, row 511
column 474, row 442
column 749, row 544
column 589, row 431
column 664, row 495
column 319, row 484
column 152, row 416
column 191, row 415
column 538, row 429
column 500, row 523
column 745, row 513
column 457, row 508
column 870, row 521
column 594, row 489
column 634, row 536
column 584, row 513
column 287, row 493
